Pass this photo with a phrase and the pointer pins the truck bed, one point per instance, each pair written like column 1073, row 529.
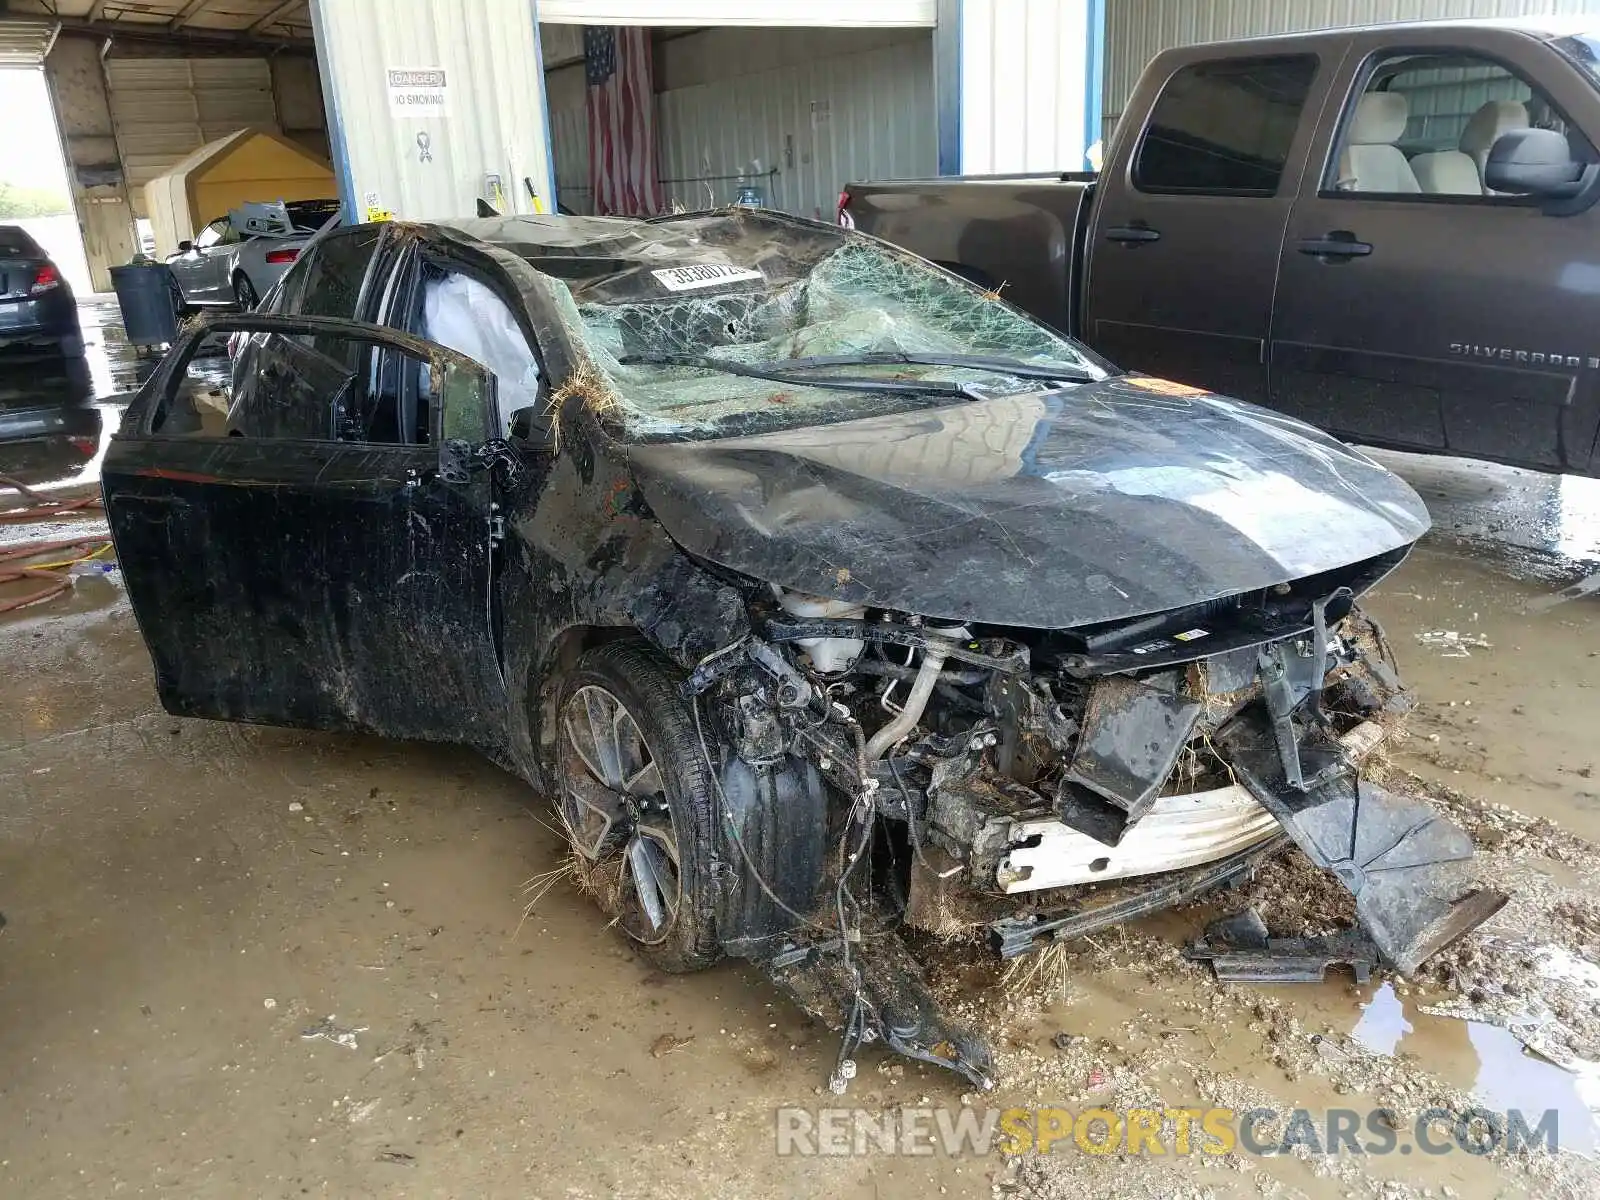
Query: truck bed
column 999, row 221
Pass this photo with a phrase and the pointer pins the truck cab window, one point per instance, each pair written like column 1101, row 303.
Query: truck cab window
column 1225, row 127
column 1424, row 124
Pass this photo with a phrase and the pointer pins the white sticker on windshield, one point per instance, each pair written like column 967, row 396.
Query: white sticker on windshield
column 686, row 279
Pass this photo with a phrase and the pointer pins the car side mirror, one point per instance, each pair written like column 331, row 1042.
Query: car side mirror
column 185, row 246
column 1533, row 162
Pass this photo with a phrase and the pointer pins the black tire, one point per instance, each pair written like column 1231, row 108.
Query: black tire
column 244, row 293
column 180, row 306
column 646, row 686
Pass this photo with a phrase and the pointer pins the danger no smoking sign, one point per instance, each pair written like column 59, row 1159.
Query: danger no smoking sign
column 417, row 92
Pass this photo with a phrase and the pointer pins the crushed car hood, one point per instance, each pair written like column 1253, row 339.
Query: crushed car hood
column 1094, row 503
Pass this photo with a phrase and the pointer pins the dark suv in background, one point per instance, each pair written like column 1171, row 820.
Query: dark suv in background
column 37, row 308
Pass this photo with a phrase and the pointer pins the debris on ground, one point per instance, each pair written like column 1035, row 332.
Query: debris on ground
column 327, row 1030
column 667, row 1043
column 1452, row 644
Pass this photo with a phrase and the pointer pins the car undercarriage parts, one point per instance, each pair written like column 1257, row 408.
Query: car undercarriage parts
column 1404, row 863
column 934, row 653
column 874, row 990
column 829, row 655
column 1002, row 783
column 1240, row 951
column 1014, row 936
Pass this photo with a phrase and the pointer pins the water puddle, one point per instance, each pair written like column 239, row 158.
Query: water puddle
column 1490, row 1062
column 1539, row 526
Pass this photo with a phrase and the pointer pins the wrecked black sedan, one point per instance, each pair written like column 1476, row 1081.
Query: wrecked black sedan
column 826, row 595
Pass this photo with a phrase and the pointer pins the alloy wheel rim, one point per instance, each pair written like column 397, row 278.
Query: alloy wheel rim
column 614, row 805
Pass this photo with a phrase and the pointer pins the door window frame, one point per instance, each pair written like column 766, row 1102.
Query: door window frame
column 1328, row 176
column 1296, row 141
column 169, row 376
column 400, row 301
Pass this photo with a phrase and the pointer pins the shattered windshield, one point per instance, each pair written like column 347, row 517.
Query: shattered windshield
column 776, row 306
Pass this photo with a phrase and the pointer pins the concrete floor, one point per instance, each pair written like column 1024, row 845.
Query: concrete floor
column 185, row 899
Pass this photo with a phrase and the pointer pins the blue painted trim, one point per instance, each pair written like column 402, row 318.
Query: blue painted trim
column 338, row 147
column 549, row 196
column 947, row 84
column 1093, row 73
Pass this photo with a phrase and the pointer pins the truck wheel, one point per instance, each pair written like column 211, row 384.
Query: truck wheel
column 637, row 804
column 245, row 294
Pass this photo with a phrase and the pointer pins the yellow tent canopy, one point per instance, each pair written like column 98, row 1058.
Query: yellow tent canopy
column 250, row 165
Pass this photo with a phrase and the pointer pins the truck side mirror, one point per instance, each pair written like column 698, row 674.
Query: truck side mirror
column 1533, row 162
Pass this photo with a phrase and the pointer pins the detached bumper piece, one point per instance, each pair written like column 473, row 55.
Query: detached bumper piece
column 873, row 989
column 1240, row 951
column 1404, row 863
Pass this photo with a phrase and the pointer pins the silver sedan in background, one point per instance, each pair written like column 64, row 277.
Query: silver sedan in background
column 225, row 267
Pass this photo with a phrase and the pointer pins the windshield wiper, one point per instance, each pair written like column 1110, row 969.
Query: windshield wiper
column 1065, row 372
column 801, row 378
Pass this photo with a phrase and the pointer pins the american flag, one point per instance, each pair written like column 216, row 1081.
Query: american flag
column 622, row 121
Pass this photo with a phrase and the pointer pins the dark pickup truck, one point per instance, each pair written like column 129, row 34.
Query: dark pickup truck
column 1387, row 231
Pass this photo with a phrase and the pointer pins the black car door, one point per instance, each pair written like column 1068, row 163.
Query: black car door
column 286, row 567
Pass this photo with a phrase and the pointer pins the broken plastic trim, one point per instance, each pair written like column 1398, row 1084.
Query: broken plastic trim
column 1404, row 863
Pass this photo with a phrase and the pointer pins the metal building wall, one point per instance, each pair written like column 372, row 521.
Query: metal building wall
column 1028, row 71
column 827, row 114
column 835, row 118
column 434, row 166
column 1137, row 30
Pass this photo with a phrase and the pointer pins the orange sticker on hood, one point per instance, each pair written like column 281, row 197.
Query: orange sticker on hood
column 1161, row 387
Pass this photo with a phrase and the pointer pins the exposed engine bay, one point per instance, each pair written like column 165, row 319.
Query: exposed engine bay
column 1041, row 785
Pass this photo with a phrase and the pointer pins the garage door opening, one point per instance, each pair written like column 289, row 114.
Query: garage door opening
column 34, row 192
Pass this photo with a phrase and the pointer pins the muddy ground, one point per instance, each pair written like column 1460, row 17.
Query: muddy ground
column 185, row 900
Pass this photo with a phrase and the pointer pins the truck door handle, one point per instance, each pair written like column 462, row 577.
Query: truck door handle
column 1132, row 235
column 1340, row 243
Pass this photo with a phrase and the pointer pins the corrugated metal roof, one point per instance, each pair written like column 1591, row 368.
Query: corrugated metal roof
column 272, row 18
column 23, row 43
column 1137, row 30
column 164, row 109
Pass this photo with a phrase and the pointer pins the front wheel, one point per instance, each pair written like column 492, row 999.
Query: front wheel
column 244, row 294
column 636, row 802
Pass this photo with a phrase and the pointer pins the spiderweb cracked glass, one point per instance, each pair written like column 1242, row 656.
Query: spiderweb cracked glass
column 857, row 300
